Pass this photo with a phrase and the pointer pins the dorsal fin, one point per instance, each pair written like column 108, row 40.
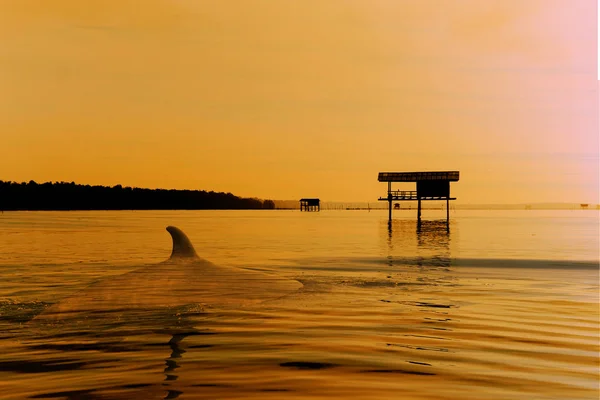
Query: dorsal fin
column 182, row 247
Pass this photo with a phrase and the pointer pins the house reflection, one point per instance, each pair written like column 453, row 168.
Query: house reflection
column 426, row 243
column 433, row 234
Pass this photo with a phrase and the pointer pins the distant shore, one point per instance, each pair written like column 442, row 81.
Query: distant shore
column 69, row 196
column 437, row 205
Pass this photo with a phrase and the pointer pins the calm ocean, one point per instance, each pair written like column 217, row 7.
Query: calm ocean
column 503, row 305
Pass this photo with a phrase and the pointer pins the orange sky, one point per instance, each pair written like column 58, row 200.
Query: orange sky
column 290, row 99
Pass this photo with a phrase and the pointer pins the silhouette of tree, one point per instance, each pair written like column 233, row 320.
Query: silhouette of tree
column 72, row 196
column 268, row 205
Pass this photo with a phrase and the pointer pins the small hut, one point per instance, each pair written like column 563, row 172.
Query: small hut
column 310, row 205
column 434, row 185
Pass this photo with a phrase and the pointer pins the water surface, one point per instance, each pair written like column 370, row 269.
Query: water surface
column 503, row 305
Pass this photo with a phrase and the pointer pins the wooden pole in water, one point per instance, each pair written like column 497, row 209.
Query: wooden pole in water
column 419, row 209
column 448, row 211
column 390, row 202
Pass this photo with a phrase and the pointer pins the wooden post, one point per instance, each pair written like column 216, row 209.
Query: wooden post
column 419, row 209
column 390, row 202
column 448, row 211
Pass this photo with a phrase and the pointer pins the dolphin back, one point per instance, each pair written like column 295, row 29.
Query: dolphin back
column 182, row 247
column 147, row 293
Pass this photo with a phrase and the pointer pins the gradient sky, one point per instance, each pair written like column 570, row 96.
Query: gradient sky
column 289, row 99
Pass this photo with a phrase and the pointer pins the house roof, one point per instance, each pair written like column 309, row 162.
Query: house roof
column 418, row 176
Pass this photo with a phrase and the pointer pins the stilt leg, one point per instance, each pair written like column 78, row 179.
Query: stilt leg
column 448, row 214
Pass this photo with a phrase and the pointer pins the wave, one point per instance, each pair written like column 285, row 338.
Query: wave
column 456, row 262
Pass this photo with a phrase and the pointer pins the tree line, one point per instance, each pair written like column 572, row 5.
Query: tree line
column 49, row 196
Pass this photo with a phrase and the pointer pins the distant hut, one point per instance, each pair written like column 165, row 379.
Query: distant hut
column 310, row 204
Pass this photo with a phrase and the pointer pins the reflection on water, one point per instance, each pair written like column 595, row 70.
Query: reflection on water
column 434, row 235
column 171, row 363
column 398, row 320
column 427, row 240
column 176, row 352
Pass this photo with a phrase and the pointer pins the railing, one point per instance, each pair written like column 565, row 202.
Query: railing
column 410, row 195
column 403, row 194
